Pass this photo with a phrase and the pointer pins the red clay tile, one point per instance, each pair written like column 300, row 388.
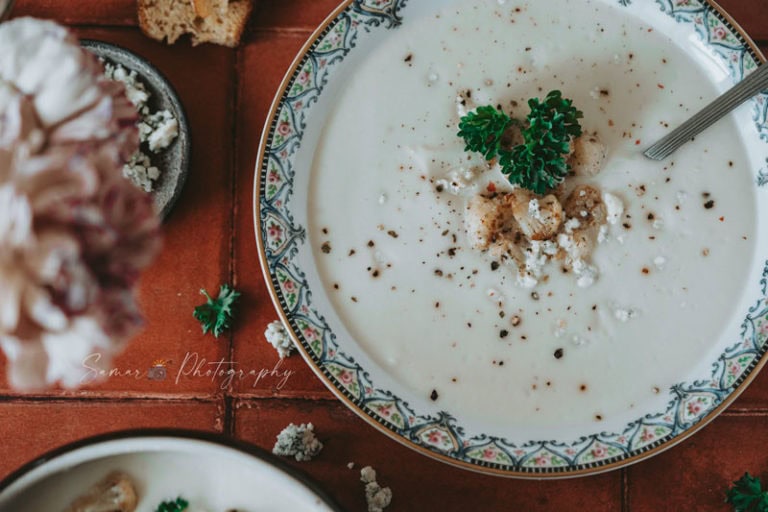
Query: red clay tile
column 31, row 429
column 756, row 394
column 263, row 63
column 83, row 12
column 418, row 483
column 750, row 15
column 279, row 14
column 695, row 474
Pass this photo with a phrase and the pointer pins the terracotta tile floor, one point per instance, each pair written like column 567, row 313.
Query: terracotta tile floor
column 210, row 236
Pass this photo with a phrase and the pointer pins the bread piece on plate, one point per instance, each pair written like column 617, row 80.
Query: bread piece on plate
column 206, row 21
column 116, row 493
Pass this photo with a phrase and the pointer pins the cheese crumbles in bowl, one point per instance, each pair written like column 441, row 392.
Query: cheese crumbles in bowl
column 456, row 308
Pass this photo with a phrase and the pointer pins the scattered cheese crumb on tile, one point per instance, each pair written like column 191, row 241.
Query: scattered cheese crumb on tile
column 278, row 337
column 298, row 442
column 351, row 465
column 377, row 497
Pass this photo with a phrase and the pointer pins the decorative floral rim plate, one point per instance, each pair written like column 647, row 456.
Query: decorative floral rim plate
column 280, row 213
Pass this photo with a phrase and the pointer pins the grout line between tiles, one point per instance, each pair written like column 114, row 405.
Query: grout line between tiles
column 233, row 105
column 280, row 31
column 313, row 397
column 748, row 412
column 96, row 25
column 283, row 398
column 234, row 162
column 104, row 398
column 228, row 428
column 624, row 494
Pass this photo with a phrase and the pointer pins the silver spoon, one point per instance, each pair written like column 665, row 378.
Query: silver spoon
column 735, row 96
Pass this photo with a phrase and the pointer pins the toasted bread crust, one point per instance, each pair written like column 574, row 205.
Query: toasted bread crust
column 168, row 20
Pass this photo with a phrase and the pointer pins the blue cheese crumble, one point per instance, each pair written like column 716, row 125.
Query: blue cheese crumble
column 157, row 130
column 377, row 497
column 298, row 442
column 277, row 335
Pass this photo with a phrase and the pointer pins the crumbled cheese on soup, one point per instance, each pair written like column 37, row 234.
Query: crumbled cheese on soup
column 614, row 208
column 298, row 442
column 602, row 234
column 277, row 335
column 377, row 497
column 534, row 210
column 624, row 314
column 528, row 231
column 572, row 224
column 586, row 273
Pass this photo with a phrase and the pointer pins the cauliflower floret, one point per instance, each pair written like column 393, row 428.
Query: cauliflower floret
column 377, row 497
column 298, row 441
column 277, row 335
column 588, row 156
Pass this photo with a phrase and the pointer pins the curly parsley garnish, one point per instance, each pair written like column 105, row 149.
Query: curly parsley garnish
column 216, row 314
column 747, row 495
column 539, row 163
column 178, row 505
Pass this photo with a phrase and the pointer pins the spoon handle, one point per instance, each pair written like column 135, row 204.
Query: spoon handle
column 738, row 94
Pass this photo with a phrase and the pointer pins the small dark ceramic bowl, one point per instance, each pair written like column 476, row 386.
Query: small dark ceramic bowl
column 209, row 470
column 174, row 160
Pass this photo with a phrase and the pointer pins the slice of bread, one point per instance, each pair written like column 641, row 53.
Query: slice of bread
column 206, row 21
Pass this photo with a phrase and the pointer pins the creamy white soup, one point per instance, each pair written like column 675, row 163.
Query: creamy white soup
column 390, row 243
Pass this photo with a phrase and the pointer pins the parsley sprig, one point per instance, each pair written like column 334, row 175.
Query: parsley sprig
column 483, row 130
column 177, row 505
column 747, row 495
column 539, row 163
column 216, row 314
